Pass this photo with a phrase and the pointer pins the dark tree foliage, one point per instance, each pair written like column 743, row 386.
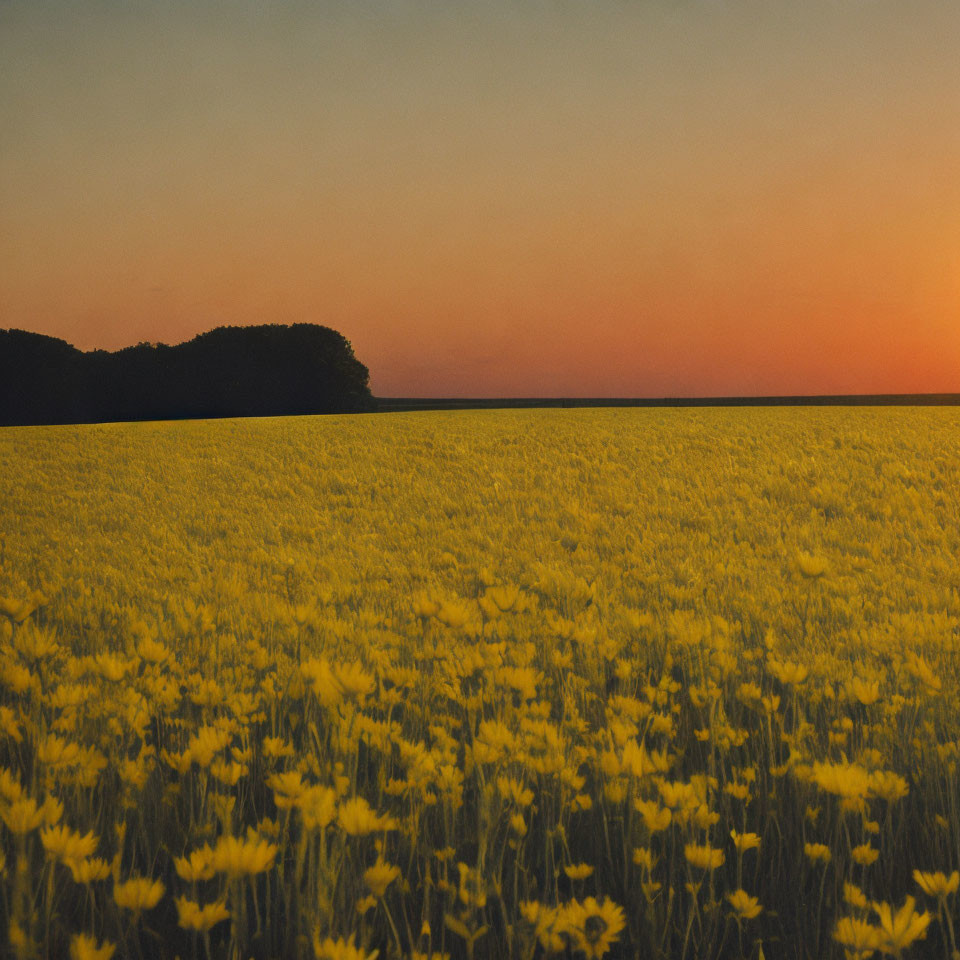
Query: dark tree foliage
column 269, row 370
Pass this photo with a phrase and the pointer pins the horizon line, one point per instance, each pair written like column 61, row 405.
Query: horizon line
column 845, row 399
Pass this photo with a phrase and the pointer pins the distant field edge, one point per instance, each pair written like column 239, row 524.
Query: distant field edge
column 410, row 404
column 402, row 404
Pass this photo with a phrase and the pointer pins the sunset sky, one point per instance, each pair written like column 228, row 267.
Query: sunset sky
column 498, row 197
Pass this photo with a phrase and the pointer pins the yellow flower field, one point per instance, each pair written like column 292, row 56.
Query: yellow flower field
column 484, row 684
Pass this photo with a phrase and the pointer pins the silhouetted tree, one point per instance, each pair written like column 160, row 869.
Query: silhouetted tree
column 268, row 370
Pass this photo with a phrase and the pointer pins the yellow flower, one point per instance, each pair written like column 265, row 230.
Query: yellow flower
column 268, row 828
column 54, row 751
column 276, row 747
column 854, row 896
column 548, row 925
column 339, row 949
column 10, row 787
column 424, row 607
column 52, row 810
column 859, row 937
column 518, row 824
column 324, row 684
column 579, row 871
column 194, row 917
column 61, row 842
column 138, row 893
column 380, row 876
column 83, row 947
column 745, row 841
column 703, row 857
column 704, row 817
column 357, row 819
column 615, row 791
column 924, row 672
column 937, row 884
column 22, row 815
column 236, row 857
column 36, row 644
column 866, row 692
column 318, row 807
column 643, row 857
column 655, row 817
column 650, row 889
column 354, row 681
column 452, row 614
column 365, row 904
column 89, row 871
column 888, row 785
column 677, row 794
column 178, row 761
column 662, row 724
column 848, row 780
column 19, row 610
column 505, row 597
column 206, row 743
column 817, row 851
column 739, row 790
column 18, row 677
column 287, row 788
column 205, row 692
column 864, row 854
column 153, row 651
column 745, row 906
column 811, row 566
column 112, row 668
column 228, row 773
column 515, row 790
column 197, row 866
column 595, row 926
column 898, row 930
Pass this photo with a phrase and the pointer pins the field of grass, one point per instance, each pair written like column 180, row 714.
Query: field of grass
column 488, row 684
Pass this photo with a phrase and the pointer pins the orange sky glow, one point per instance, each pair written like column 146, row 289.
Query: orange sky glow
column 541, row 198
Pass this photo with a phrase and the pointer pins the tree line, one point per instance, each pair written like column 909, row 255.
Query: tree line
column 268, row 370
